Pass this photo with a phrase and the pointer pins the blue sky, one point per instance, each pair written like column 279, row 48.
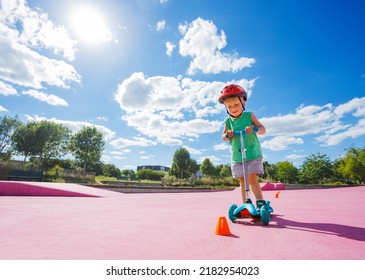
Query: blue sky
column 147, row 73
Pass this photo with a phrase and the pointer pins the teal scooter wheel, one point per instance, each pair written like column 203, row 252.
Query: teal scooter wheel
column 232, row 217
column 265, row 215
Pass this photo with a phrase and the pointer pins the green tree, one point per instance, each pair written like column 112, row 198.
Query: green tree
column 317, row 168
column 53, row 140
column 110, row 170
column 129, row 173
column 182, row 164
column 193, row 167
column 7, row 127
column 207, row 168
column 352, row 165
column 45, row 140
column 23, row 140
column 87, row 146
column 286, row 172
column 270, row 171
column 225, row 171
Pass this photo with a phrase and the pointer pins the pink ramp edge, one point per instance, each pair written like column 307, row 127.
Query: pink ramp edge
column 272, row 187
column 267, row 186
column 16, row 188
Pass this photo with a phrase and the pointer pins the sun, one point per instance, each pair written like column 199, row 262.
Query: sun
column 89, row 25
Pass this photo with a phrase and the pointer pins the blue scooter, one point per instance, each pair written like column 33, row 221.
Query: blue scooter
column 248, row 210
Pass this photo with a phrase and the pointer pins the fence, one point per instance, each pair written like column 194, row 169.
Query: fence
column 77, row 175
column 71, row 174
column 7, row 166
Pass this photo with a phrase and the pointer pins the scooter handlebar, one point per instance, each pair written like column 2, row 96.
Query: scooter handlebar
column 238, row 132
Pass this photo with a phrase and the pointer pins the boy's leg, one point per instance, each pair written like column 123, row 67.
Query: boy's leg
column 255, row 186
column 256, row 189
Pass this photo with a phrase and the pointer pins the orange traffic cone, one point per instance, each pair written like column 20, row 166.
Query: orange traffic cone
column 222, row 227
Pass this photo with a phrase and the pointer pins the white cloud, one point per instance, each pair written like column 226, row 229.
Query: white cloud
column 328, row 122
column 356, row 105
column 7, row 90
column 160, row 25
column 169, row 141
column 2, row 109
column 48, row 98
column 35, row 30
column 312, row 109
column 24, row 33
column 353, row 132
column 169, row 48
column 129, row 167
column 192, row 150
column 147, row 156
column 119, row 158
column 103, row 118
column 280, row 143
column 106, row 159
column 203, row 44
column 294, row 156
column 306, row 120
column 221, row 147
column 215, row 160
column 121, row 143
column 122, row 152
column 340, row 130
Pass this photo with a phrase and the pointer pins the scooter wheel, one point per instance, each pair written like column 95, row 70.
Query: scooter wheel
column 232, row 217
column 265, row 215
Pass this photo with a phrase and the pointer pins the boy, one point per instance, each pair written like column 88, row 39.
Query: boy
column 234, row 98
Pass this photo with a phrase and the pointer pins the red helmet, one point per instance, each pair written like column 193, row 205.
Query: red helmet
column 232, row 90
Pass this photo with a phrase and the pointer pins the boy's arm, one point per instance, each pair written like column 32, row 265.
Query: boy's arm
column 256, row 122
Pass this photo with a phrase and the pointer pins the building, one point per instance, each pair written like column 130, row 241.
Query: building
column 154, row 167
column 199, row 174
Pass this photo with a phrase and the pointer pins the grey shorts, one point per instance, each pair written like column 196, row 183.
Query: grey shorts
column 253, row 166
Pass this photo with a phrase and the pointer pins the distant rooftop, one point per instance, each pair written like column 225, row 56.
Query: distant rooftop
column 154, row 167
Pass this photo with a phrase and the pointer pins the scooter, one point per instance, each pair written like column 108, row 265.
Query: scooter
column 248, row 210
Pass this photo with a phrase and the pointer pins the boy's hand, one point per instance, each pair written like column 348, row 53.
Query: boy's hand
column 249, row 129
column 229, row 134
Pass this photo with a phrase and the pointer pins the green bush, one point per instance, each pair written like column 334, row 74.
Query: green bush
column 149, row 174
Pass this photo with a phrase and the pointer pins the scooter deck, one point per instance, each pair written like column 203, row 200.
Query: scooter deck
column 246, row 206
column 248, row 210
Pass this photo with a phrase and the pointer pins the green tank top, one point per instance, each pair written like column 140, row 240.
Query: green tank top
column 252, row 143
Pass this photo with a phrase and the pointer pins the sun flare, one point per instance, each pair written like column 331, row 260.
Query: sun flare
column 89, row 25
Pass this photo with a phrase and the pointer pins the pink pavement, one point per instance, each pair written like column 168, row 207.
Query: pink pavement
column 43, row 221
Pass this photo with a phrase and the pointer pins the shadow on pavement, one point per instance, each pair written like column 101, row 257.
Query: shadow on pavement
column 351, row 232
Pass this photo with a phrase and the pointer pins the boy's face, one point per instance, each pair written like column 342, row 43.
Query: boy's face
column 234, row 105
